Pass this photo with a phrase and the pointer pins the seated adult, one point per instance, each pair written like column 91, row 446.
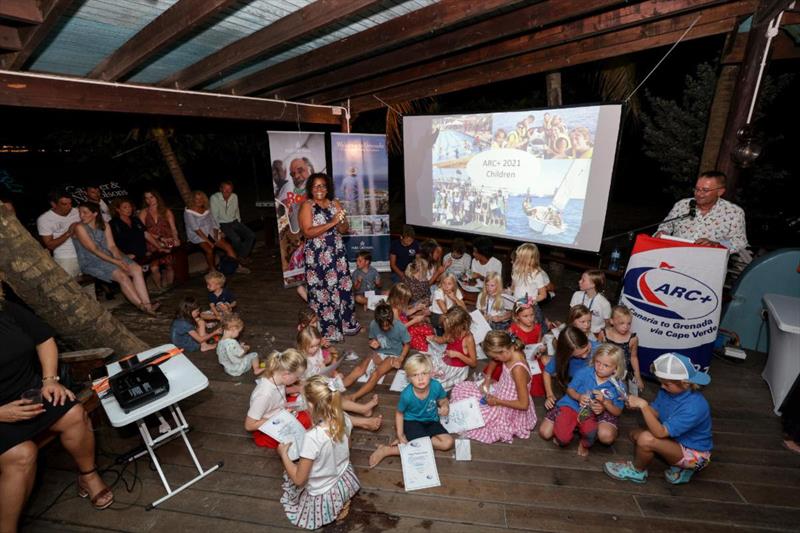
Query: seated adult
column 483, row 261
column 55, row 228
column 716, row 220
column 29, row 360
column 100, row 258
column 402, row 252
column 130, row 234
column 160, row 224
column 225, row 208
column 202, row 229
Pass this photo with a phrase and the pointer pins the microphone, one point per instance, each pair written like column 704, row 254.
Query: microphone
column 692, row 208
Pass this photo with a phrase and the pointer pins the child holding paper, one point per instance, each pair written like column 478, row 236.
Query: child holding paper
column 318, row 488
column 421, row 404
column 415, row 317
column 459, row 353
column 365, row 277
column 269, row 397
column 508, row 409
column 308, row 317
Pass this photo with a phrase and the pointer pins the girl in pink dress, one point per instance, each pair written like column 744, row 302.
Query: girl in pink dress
column 506, row 406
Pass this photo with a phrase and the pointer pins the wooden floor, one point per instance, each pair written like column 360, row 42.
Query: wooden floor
column 751, row 484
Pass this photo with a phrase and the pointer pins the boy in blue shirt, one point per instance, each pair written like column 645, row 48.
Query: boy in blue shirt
column 421, row 404
column 678, row 424
column 391, row 342
column 220, row 299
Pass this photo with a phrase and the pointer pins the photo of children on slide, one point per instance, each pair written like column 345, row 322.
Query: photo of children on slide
column 521, row 174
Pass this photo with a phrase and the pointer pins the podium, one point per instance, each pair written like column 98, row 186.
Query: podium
column 674, row 292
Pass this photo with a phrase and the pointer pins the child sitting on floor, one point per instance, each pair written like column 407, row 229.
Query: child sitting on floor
column 415, row 317
column 283, row 369
column 390, row 340
column 458, row 261
column 459, row 352
column 307, row 317
column 318, row 488
column 591, row 287
column 220, row 299
column 492, row 305
column 528, row 280
column 233, row 355
column 446, row 295
column 678, row 424
column 508, row 409
column 619, row 333
column 593, row 401
column 188, row 330
column 416, row 280
column 421, row 404
column 365, row 277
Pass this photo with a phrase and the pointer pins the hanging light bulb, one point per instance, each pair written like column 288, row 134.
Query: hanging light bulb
column 748, row 149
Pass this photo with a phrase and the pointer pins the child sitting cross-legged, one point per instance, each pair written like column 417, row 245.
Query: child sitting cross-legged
column 232, row 354
column 415, row 317
column 318, row 488
column 220, row 298
column 365, row 277
column 459, row 353
column 421, row 404
column 188, row 330
column 508, row 409
column 678, row 424
column 390, row 340
column 593, row 402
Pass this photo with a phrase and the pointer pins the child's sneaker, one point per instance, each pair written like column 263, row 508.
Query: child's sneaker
column 625, row 472
column 677, row 475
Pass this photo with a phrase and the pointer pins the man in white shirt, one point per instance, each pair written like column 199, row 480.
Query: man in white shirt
column 225, row 209
column 717, row 222
column 55, row 227
column 94, row 195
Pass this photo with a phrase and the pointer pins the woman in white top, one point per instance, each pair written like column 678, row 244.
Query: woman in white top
column 202, row 229
column 318, row 488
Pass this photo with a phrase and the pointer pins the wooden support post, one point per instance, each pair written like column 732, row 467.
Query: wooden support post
column 718, row 116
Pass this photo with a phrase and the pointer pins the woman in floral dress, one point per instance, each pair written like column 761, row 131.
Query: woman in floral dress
column 330, row 287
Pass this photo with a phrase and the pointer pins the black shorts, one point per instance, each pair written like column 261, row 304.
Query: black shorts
column 414, row 429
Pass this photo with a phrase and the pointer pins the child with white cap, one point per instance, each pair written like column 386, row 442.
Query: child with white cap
column 678, row 424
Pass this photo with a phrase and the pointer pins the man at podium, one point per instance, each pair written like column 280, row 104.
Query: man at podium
column 709, row 219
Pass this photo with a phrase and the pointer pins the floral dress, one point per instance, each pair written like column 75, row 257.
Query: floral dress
column 502, row 423
column 330, row 287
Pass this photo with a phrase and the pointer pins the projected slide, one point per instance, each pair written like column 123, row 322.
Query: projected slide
column 539, row 176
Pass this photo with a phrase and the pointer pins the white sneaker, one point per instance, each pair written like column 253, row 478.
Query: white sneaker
column 243, row 270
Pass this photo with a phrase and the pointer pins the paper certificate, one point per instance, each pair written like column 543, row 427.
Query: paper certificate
column 284, row 427
column 530, row 354
column 480, row 327
column 464, row 415
column 363, row 378
column 374, row 299
column 399, row 382
column 436, row 350
column 419, row 464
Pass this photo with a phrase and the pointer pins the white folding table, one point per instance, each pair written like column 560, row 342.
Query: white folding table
column 184, row 379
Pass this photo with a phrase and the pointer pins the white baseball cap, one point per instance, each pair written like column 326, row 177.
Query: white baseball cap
column 680, row 368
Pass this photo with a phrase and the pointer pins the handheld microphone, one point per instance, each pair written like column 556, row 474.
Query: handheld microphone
column 692, row 208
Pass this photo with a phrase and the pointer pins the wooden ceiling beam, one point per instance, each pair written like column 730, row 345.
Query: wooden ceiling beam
column 175, row 22
column 9, row 39
column 406, row 28
column 26, row 11
column 613, row 44
column 31, row 37
column 528, row 18
column 19, row 89
column 293, row 27
column 583, row 28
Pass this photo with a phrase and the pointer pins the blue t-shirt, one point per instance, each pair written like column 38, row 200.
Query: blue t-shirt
column 179, row 334
column 575, row 364
column 367, row 278
column 392, row 341
column 404, row 254
column 225, row 297
column 426, row 410
column 687, row 418
column 584, row 382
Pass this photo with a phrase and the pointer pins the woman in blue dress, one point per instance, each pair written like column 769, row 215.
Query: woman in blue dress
column 99, row 257
column 330, row 287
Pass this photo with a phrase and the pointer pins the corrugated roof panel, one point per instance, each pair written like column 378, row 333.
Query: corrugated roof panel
column 238, row 21
column 399, row 9
column 92, row 30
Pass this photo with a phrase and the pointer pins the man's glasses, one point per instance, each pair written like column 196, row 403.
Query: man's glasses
column 706, row 191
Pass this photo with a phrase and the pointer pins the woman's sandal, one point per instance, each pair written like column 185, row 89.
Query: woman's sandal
column 83, row 492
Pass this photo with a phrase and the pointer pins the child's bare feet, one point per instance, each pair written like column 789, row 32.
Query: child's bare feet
column 791, row 445
column 206, row 346
column 583, row 451
column 371, row 404
column 383, row 451
column 374, row 423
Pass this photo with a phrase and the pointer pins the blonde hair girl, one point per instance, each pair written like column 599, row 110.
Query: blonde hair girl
column 234, row 356
column 322, row 483
column 283, row 369
column 459, row 352
column 417, row 280
column 528, row 280
column 492, row 304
